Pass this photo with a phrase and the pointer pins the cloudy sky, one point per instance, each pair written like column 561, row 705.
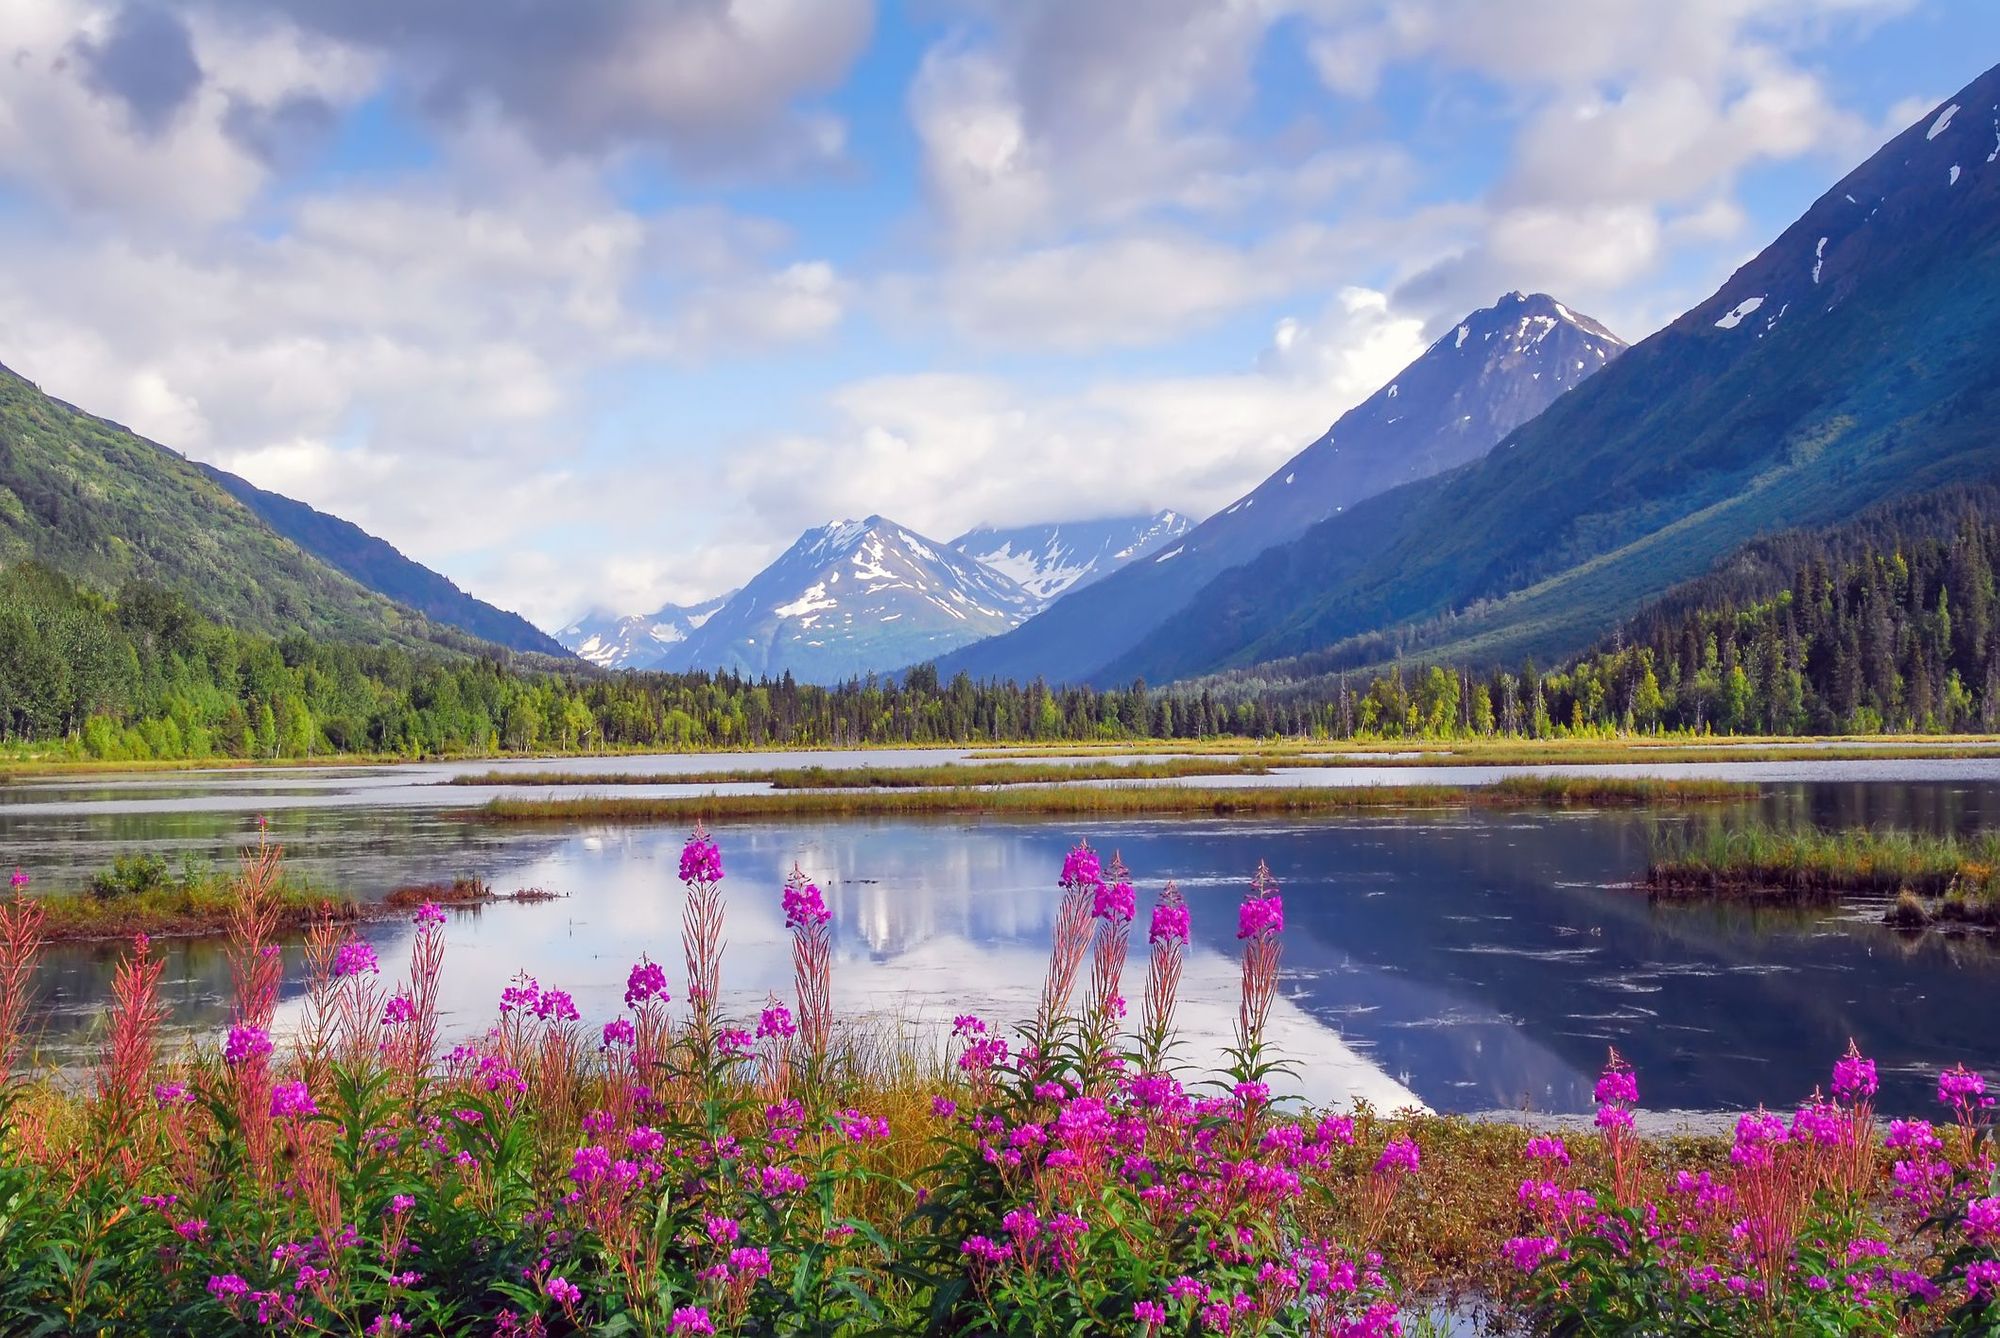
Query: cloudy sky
column 602, row 301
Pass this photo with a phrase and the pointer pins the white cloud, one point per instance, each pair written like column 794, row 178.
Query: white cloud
column 943, row 452
column 416, row 361
column 712, row 83
column 73, row 135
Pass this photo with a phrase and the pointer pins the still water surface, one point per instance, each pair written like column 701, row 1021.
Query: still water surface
column 1468, row 961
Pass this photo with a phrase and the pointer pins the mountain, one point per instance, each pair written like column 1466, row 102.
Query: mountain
column 377, row 564
column 1490, row 373
column 850, row 598
column 639, row 640
column 1051, row 560
column 104, row 506
column 1851, row 361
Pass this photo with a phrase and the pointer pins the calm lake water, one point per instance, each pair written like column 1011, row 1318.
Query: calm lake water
column 1469, row 961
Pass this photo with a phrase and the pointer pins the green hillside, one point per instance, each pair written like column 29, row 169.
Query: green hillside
column 1868, row 376
column 106, row 507
column 377, row 564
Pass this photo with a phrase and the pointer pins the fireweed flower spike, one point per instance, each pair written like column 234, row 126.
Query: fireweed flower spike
column 1081, row 876
column 1168, row 937
column 811, row 926
column 1259, row 921
column 701, row 926
column 1617, row 1092
column 1113, row 904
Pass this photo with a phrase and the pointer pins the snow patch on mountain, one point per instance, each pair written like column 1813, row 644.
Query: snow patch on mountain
column 1049, row 561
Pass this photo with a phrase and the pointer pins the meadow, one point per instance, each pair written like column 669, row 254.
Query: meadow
column 678, row 1169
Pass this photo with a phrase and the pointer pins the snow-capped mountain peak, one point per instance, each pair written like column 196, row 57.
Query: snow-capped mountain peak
column 636, row 640
column 1050, row 560
column 854, row 597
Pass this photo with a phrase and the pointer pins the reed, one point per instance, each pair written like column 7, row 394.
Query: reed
column 1057, row 800
column 888, row 777
column 1806, row 865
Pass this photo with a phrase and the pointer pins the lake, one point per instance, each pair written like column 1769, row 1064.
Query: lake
column 1470, row 961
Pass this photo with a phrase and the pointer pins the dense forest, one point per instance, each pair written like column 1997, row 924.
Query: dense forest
column 1886, row 623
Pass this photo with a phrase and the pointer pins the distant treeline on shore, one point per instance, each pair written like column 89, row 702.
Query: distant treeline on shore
column 1887, row 625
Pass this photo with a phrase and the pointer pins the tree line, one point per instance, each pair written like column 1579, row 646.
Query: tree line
column 1885, row 624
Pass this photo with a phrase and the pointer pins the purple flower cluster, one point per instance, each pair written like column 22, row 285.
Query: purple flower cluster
column 804, row 906
column 398, row 1011
column 646, row 983
column 1115, row 902
column 1082, row 868
column 776, row 1022
column 353, row 959
column 1170, row 923
column 701, row 860
column 525, row 995
column 1261, row 916
column 245, row 1043
column 1854, row 1077
column 292, row 1100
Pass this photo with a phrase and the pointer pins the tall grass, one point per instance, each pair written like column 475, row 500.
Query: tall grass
column 1807, row 864
column 1115, row 800
column 944, row 775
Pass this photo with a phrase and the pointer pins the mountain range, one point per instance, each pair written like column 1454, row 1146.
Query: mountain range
column 1490, row 373
column 1851, row 361
column 1052, row 560
column 905, row 598
column 1522, row 485
column 637, row 640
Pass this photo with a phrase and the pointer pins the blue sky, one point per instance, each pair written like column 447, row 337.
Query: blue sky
column 602, row 304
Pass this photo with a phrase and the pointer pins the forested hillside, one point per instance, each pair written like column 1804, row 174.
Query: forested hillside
column 383, row 568
column 105, row 506
column 1885, row 623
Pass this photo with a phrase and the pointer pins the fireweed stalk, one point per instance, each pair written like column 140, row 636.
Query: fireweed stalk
column 1082, row 876
column 701, row 929
column 131, row 1048
column 1113, row 906
column 256, row 966
column 1167, row 937
column 811, row 926
column 1259, row 922
column 20, row 949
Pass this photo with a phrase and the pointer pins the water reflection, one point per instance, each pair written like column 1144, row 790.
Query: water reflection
column 1470, row 961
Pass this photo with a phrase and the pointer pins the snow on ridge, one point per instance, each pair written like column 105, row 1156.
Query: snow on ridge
column 1944, row 120
column 1734, row 316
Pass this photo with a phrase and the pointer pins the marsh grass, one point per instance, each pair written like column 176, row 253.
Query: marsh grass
column 199, row 906
column 945, row 775
column 1115, row 800
column 1945, row 877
